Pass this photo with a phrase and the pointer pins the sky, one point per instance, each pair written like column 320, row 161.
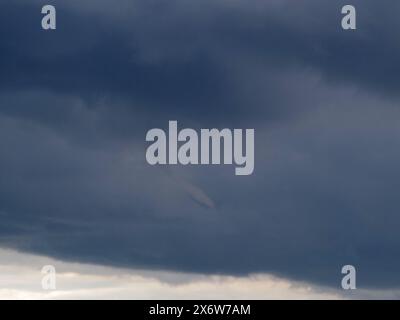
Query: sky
column 76, row 104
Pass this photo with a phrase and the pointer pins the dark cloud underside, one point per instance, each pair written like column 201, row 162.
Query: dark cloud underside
column 75, row 105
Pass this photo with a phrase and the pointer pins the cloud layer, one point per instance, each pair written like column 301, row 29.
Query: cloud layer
column 75, row 105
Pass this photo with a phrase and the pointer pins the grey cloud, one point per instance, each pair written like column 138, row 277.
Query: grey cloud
column 75, row 106
column 186, row 57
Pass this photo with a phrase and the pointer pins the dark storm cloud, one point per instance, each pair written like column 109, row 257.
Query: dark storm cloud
column 91, row 58
column 187, row 57
column 75, row 105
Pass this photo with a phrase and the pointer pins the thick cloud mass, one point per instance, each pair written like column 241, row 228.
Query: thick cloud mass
column 76, row 103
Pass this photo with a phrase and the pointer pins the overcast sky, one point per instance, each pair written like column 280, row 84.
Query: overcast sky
column 76, row 104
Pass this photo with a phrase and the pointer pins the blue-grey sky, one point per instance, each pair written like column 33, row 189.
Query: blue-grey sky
column 76, row 103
